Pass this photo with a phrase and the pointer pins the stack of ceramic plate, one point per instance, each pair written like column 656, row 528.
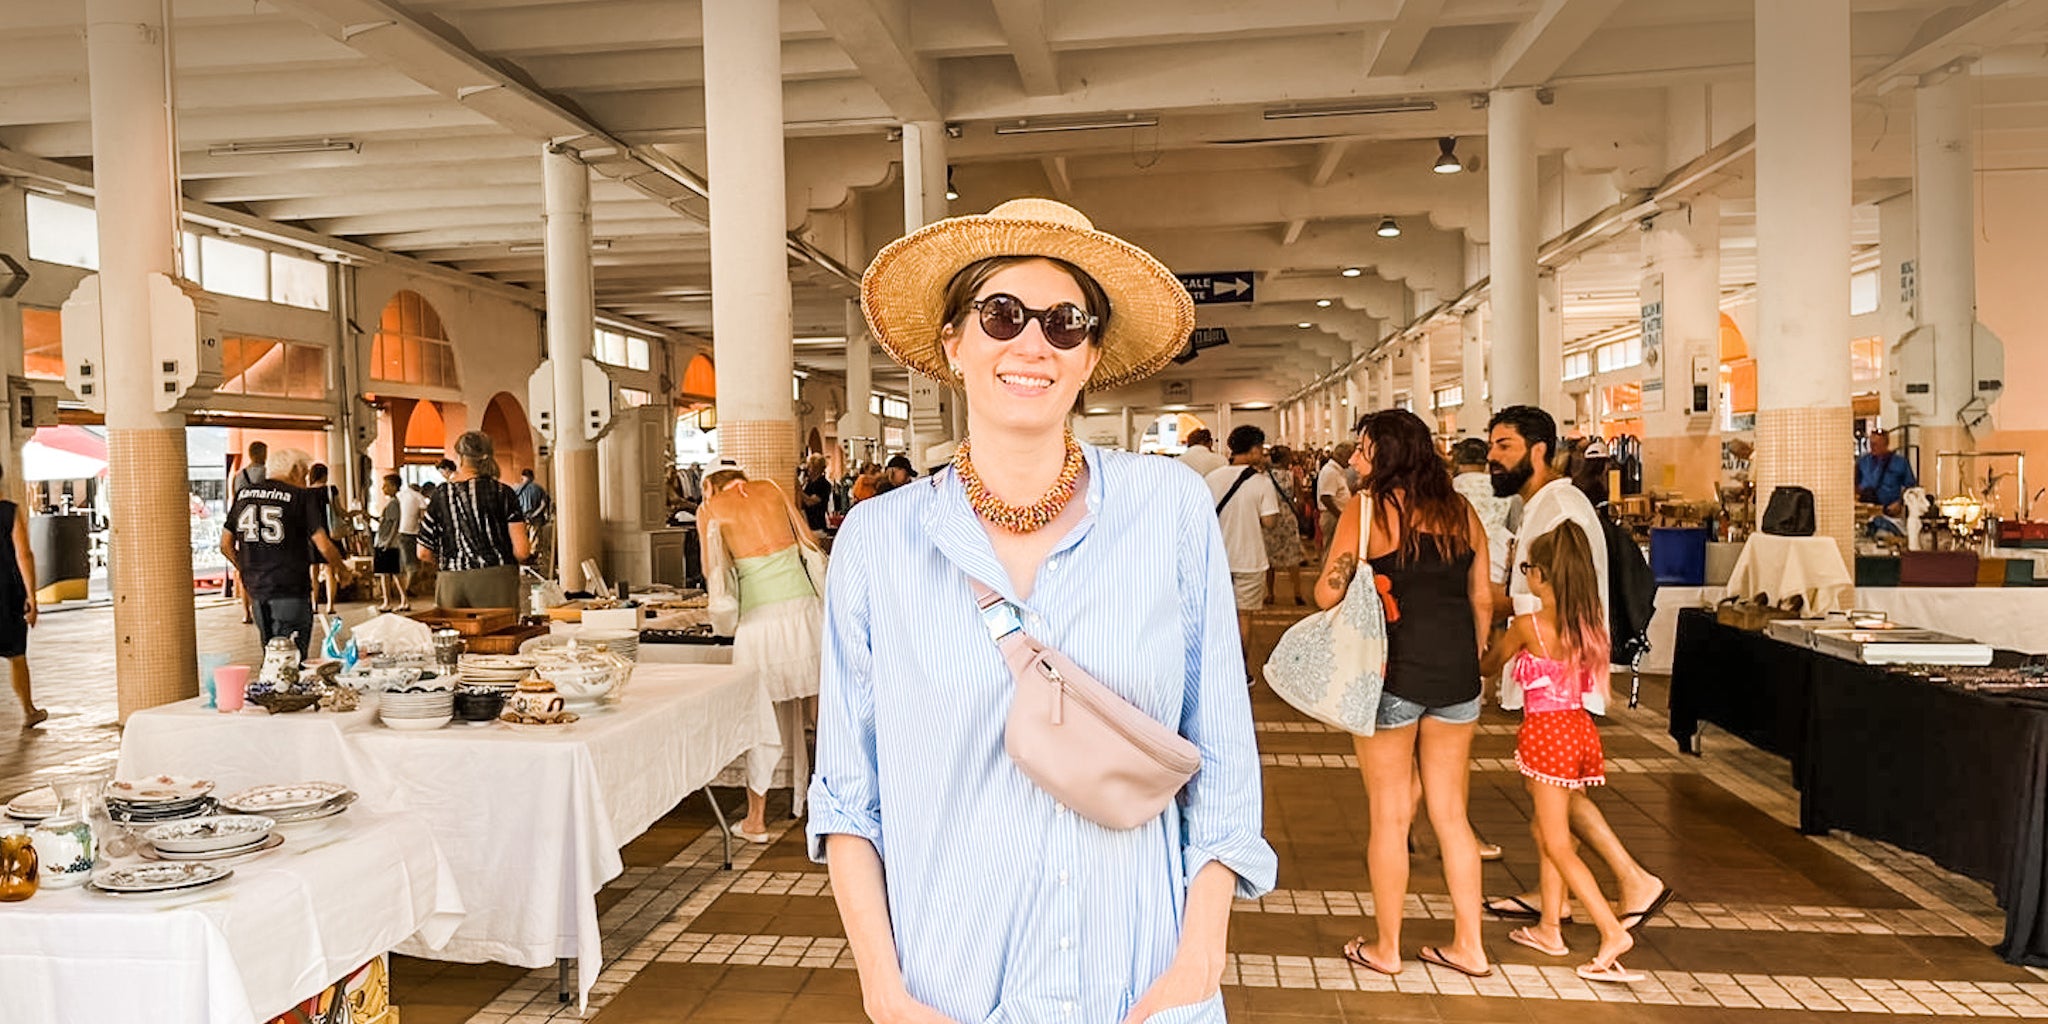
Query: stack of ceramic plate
column 292, row 802
column 623, row 642
column 501, row 671
column 152, row 879
column 33, row 806
column 211, row 837
column 416, row 709
column 159, row 798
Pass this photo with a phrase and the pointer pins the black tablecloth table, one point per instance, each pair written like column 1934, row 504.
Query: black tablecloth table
column 1957, row 775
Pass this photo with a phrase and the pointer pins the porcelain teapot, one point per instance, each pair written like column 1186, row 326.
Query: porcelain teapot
column 280, row 664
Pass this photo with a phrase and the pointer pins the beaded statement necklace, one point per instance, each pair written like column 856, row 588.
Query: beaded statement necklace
column 1019, row 518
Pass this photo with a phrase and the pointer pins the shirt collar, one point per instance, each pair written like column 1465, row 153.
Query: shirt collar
column 959, row 535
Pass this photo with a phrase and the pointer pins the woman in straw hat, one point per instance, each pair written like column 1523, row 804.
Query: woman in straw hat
column 968, row 893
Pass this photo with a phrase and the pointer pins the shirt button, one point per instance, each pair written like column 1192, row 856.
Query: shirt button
column 1067, row 1008
column 1060, row 809
column 1063, row 878
column 1066, row 943
column 1052, row 565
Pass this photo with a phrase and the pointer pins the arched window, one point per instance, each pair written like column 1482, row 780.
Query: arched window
column 411, row 346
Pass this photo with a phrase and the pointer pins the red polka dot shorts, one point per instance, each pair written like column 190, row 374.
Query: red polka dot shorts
column 1561, row 748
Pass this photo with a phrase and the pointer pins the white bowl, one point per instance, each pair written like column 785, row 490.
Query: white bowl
column 418, row 724
column 213, row 832
column 580, row 682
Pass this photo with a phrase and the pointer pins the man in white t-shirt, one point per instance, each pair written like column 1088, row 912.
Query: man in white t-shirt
column 1522, row 445
column 411, row 505
column 1246, row 503
column 1201, row 454
column 1333, row 489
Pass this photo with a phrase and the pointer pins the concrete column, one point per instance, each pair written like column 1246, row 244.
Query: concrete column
column 1357, row 389
column 1897, row 309
column 1340, row 424
column 571, row 324
column 13, row 238
column 1221, row 425
column 1131, row 432
column 1944, row 194
column 1472, row 416
column 1511, row 244
column 933, row 411
column 133, row 135
column 1549, row 369
column 860, row 433
column 1802, row 218
column 1386, row 376
column 1419, row 389
column 750, row 317
column 1682, row 278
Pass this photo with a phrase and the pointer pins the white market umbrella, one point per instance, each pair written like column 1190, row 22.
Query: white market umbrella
column 42, row 462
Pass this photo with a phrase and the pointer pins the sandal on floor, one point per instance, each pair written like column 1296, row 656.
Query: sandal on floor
column 1354, row 952
column 1613, row 973
column 36, row 718
column 1645, row 914
column 1433, row 955
column 1515, row 908
column 757, row 838
column 1525, row 937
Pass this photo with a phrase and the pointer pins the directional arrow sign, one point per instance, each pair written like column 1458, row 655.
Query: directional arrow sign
column 1227, row 286
column 13, row 277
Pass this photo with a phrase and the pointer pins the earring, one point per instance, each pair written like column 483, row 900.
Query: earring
column 955, row 367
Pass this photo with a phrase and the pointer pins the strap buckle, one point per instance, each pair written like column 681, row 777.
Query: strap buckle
column 1001, row 620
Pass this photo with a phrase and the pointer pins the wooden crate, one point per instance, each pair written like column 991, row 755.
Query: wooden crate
column 469, row 622
column 504, row 641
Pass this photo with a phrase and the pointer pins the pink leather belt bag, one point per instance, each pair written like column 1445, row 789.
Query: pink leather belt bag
column 1075, row 738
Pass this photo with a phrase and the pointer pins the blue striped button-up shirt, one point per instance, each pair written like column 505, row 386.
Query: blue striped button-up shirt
column 1005, row 905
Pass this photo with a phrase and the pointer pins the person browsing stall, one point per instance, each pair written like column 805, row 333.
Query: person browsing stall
column 1247, row 504
column 1883, row 476
column 271, row 531
column 474, row 533
column 969, row 893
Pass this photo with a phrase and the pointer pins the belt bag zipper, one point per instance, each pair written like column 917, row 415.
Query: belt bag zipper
column 1089, row 702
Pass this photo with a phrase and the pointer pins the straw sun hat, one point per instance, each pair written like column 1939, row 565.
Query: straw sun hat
column 903, row 292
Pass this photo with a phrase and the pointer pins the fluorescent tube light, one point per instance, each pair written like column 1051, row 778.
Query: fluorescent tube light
column 1352, row 109
column 1040, row 125
column 281, row 147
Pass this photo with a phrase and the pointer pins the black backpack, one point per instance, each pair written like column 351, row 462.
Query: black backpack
column 1631, row 594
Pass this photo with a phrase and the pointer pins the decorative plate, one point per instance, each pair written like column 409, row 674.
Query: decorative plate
column 263, row 845
column 159, row 877
column 161, row 789
column 204, row 835
column 36, row 803
column 285, row 797
column 326, row 810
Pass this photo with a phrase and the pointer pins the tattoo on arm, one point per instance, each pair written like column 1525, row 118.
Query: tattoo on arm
column 1341, row 570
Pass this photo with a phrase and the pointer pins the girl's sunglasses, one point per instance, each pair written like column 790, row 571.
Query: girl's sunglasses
column 1065, row 325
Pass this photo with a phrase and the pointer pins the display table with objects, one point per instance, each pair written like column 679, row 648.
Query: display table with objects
column 532, row 819
column 285, row 927
column 1809, row 567
column 1957, row 774
column 2008, row 618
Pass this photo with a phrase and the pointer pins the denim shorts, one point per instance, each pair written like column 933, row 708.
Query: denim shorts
column 1396, row 712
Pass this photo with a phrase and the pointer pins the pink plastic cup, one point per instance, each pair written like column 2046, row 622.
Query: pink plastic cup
column 230, row 687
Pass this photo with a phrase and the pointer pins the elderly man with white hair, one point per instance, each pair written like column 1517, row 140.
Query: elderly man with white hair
column 272, row 529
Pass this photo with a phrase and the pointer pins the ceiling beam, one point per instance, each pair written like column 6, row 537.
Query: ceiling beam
column 1056, row 175
column 878, row 42
column 1329, row 156
column 1956, row 33
column 1023, row 23
column 1292, row 231
column 1542, row 44
column 1391, row 52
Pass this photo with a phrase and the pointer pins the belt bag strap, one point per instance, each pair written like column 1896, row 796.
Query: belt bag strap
column 1076, row 739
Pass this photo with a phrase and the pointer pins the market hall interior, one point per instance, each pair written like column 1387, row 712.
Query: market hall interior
column 1732, row 239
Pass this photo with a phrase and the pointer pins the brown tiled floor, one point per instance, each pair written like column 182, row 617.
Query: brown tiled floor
column 1769, row 926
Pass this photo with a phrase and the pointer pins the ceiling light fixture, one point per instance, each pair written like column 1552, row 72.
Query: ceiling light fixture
column 1352, row 271
column 1352, row 109
column 516, row 248
column 1322, row 303
column 1304, row 325
column 952, row 194
column 1041, row 125
column 1389, row 228
column 285, row 147
column 1447, row 156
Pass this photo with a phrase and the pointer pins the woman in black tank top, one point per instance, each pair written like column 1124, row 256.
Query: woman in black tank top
column 1429, row 549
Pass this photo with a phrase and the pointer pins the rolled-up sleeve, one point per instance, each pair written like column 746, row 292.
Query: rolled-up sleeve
column 1223, row 806
column 845, row 796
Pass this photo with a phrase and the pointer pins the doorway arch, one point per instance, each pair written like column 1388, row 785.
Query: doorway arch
column 505, row 424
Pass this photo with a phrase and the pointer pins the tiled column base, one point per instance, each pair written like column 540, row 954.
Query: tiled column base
column 766, row 449
column 578, row 526
column 151, row 556
column 1810, row 448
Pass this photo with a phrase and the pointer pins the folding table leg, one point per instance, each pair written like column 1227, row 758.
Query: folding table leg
column 562, row 979
column 724, row 830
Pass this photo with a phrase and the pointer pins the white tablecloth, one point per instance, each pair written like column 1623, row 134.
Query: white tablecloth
column 290, row 923
column 1782, row 566
column 532, row 822
column 2009, row 618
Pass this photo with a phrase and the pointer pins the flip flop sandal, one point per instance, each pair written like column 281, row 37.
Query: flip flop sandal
column 757, row 838
column 1613, row 973
column 1525, row 937
column 1644, row 915
column 1353, row 953
column 1433, row 955
column 1515, row 908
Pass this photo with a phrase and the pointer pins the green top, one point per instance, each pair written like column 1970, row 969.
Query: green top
column 772, row 578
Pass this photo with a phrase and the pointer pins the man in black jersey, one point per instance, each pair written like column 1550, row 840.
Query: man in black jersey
column 271, row 531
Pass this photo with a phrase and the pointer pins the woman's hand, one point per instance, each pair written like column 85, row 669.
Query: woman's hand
column 29, row 609
column 898, row 1006
column 1185, row 983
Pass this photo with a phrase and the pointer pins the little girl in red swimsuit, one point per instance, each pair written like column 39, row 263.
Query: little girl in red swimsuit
column 1558, row 655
